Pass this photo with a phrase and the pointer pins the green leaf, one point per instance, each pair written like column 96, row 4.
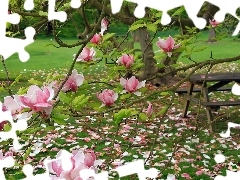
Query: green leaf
column 188, row 50
column 133, row 113
column 143, row 89
column 123, row 113
column 95, row 104
column 7, row 127
column 64, row 98
column 186, row 56
column 49, row 128
column 162, row 111
column 41, row 13
column 108, row 36
column 152, row 27
column 28, row 151
column 33, row 130
column 80, row 101
column 118, row 68
column 35, row 82
column 179, row 11
column 16, row 80
column 159, row 65
column 137, row 65
column 59, row 118
column 164, row 93
column 136, row 26
column 180, row 49
column 143, row 116
column 125, row 96
column 8, row 24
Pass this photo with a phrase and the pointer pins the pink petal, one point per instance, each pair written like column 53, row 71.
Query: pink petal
column 170, row 42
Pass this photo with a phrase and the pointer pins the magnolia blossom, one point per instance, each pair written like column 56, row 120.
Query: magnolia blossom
column 7, row 154
column 73, row 81
column 126, row 60
column 15, row 106
column 149, row 110
column 104, row 26
column 213, row 22
column 86, row 55
column 96, row 39
column 107, row 97
column 80, row 160
column 167, row 45
column 39, row 100
column 132, row 85
column 12, row 104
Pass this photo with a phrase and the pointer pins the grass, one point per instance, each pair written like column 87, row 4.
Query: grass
column 48, row 58
column 161, row 134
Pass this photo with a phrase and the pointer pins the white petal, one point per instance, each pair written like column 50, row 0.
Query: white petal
column 123, row 81
column 137, row 93
column 124, row 91
column 141, row 84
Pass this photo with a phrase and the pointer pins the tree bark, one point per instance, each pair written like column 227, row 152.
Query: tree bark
column 212, row 35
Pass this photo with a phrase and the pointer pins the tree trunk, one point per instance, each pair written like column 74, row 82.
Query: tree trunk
column 149, row 69
column 212, row 35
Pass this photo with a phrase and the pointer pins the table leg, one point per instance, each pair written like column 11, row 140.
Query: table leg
column 189, row 94
column 209, row 112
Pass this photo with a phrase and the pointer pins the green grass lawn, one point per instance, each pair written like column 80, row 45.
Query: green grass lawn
column 101, row 133
column 48, row 58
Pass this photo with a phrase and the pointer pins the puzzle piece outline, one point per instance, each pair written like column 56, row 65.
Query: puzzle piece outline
column 226, row 7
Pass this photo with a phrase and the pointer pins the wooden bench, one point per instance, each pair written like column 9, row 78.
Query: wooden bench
column 184, row 91
column 220, row 80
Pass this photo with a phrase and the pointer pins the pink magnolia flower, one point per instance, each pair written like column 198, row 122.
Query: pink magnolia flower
column 12, row 104
column 198, row 173
column 38, row 99
column 73, row 81
column 149, row 110
column 7, row 154
column 96, row 39
column 104, row 25
column 86, row 55
column 167, row 45
column 132, row 85
column 107, row 97
column 213, row 22
column 80, row 160
column 15, row 106
column 126, row 60
column 186, row 175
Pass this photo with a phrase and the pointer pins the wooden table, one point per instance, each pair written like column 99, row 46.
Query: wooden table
column 220, row 80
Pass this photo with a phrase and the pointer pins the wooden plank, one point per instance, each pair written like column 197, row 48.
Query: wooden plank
column 209, row 112
column 228, row 77
column 221, row 103
column 182, row 90
column 189, row 94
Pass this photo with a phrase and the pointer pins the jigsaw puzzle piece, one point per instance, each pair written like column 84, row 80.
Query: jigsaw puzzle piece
column 20, row 125
column 165, row 6
column 53, row 15
column 75, row 3
column 116, row 5
column 28, row 5
column 7, row 162
column 229, row 8
column 12, row 45
column 138, row 168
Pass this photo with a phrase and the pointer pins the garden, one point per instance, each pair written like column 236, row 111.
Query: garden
column 84, row 90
